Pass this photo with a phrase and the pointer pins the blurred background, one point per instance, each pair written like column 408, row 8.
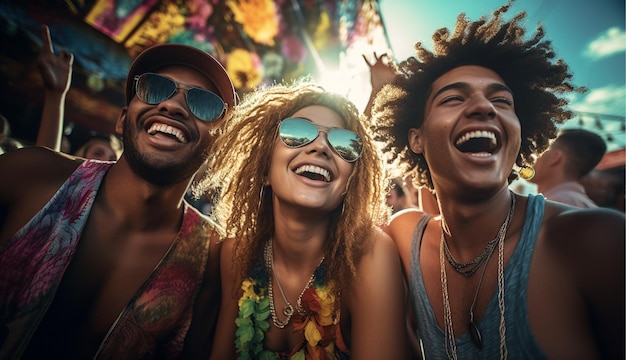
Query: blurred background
column 259, row 42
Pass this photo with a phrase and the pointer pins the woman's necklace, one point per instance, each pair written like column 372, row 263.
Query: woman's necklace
column 288, row 310
column 473, row 329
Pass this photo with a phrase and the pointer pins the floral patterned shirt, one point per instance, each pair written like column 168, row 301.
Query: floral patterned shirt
column 33, row 261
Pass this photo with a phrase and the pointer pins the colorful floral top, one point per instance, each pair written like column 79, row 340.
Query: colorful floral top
column 319, row 323
column 33, row 261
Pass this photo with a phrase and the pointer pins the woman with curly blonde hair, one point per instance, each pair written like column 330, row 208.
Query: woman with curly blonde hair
column 306, row 271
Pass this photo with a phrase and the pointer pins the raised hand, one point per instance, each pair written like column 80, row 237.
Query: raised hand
column 56, row 71
column 381, row 70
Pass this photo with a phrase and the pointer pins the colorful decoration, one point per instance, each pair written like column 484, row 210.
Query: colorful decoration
column 320, row 323
column 258, row 18
column 245, row 69
column 258, row 41
column 117, row 18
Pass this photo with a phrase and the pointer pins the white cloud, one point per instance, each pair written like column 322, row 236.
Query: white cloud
column 608, row 100
column 610, row 42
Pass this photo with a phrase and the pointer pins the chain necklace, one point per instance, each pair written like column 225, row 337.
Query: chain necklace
column 468, row 269
column 288, row 310
column 450, row 342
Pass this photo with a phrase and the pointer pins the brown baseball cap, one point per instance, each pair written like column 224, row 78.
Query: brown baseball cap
column 162, row 55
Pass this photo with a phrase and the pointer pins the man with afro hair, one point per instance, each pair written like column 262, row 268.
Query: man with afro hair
column 498, row 274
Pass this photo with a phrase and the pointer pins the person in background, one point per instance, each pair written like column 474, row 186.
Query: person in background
column 382, row 71
column 559, row 170
column 101, row 147
column 56, row 73
column 5, row 129
column 498, row 275
column 7, row 143
column 105, row 259
column 606, row 187
column 398, row 197
column 306, row 271
column 425, row 200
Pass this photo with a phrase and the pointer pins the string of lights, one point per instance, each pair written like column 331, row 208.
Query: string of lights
column 612, row 128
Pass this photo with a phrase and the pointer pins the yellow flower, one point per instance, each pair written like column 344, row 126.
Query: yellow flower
column 245, row 69
column 327, row 300
column 248, row 291
column 258, row 18
column 311, row 334
column 321, row 31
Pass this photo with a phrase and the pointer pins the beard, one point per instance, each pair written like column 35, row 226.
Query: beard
column 160, row 170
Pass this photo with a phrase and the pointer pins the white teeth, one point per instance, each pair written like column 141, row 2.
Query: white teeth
column 315, row 170
column 478, row 134
column 166, row 129
column 481, row 154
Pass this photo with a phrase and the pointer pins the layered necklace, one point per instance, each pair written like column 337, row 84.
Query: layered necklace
column 288, row 310
column 467, row 270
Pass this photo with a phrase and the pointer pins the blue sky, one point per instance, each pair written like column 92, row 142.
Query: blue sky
column 588, row 35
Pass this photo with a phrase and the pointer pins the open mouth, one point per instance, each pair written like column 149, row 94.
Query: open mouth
column 478, row 143
column 167, row 130
column 314, row 173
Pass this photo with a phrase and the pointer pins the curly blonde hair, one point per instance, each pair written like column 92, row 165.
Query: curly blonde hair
column 527, row 67
column 240, row 160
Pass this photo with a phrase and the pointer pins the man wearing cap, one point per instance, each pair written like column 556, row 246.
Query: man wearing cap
column 107, row 260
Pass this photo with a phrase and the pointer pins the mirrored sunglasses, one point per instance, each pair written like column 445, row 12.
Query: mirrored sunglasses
column 298, row 132
column 153, row 89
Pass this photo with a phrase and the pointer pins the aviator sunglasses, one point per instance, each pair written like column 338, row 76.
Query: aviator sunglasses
column 153, row 89
column 298, row 132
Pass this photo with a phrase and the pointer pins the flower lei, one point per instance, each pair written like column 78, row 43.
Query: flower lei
column 319, row 323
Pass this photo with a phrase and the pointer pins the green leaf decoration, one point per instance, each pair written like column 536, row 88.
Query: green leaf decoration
column 247, row 308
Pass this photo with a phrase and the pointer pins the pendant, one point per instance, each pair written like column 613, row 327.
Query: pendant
column 475, row 333
column 288, row 311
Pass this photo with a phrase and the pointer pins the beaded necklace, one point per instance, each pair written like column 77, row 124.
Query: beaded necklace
column 316, row 317
column 288, row 310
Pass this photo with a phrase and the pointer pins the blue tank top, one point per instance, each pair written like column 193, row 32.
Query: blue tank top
column 519, row 340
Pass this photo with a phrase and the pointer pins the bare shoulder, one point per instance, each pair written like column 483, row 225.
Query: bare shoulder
column 400, row 229
column 584, row 229
column 33, row 173
column 30, row 177
column 228, row 246
column 589, row 242
column 375, row 303
column 227, row 267
column 381, row 255
column 382, row 244
column 403, row 223
column 408, row 216
column 31, row 165
column 580, row 257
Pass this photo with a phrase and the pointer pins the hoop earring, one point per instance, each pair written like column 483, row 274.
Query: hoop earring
column 258, row 210
column 525, row 172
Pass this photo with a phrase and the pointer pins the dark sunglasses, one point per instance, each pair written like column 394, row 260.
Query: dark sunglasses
column 153, row 89
column 298, row 132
